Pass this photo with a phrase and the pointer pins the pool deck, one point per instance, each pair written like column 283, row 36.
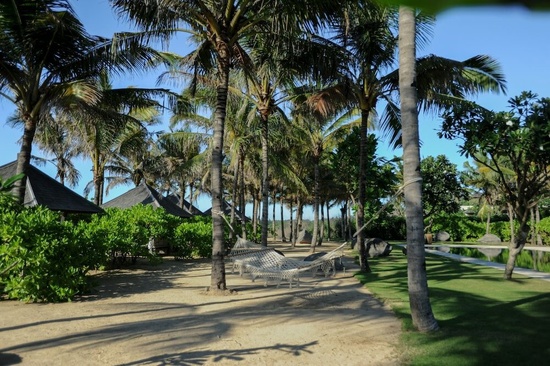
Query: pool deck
column 522, row 271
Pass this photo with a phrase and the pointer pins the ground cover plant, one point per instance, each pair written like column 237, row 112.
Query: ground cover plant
column 484, row 319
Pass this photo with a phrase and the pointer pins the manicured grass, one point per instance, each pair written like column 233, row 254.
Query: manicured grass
column 483, row 319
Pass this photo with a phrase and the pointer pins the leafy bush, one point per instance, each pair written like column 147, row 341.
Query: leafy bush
column 42, row 258
column 193, row 238
column 127, row 232
column 544, row 230
column 459, row 226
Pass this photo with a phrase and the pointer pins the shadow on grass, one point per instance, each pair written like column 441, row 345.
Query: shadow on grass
column 483, row 319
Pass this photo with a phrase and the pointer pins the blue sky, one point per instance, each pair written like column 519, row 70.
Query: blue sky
column 516, row 37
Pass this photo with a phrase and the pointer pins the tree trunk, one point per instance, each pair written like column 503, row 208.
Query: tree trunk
column 537, row 225
column 322, row 225
column 360, row 214
column 234, row 199
column 314, row 235
column 511, row 221
column 274, row 223
column 343, row 212
column 24, row 159
column 348, row 223
column 292, row 223
column 217, row 280
column 283, row 237
column 419, row 301
column 257, row 203
column 241, row 194
column 329, row 233
column 514, row 249
column 265, row 178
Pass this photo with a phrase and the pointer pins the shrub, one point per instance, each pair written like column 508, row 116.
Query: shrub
column 544, row 230
column 459, row 226
column 42, row 258
column 193, row 238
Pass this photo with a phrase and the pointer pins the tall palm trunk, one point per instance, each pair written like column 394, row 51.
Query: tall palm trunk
column 283, row 237
column 360, row 215
column 273, row 214
column 241, row 193
column 421, row 310
column 315, row 232
column 234, row 199
column 24, row 158
column 217, row 280
column 265, row 177
column 322, row 224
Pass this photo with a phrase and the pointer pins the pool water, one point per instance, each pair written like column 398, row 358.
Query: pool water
column 537, row 260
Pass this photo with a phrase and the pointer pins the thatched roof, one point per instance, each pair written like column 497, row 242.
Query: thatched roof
column 189, row 207
column 146, row 195
column 45, row 191
column 227, row 211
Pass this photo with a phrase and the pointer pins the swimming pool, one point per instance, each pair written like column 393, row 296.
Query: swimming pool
column 535, row 258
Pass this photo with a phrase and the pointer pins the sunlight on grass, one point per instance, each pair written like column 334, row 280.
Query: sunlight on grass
column 484, row 319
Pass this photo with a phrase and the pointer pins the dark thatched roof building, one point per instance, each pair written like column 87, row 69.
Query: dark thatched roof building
column 187, row 206
column 43, row 190
column 146, row 195
column 227, row 211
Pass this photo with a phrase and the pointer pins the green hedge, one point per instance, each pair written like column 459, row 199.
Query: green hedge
column 42, row 258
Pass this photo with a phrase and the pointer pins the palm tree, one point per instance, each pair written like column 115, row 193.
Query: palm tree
column 485, row 183
column 53, row 139
column 370, row 76
column 47, row 62
column 319, row 133
column 116, row 123
column 219, row 28
column 419, row 300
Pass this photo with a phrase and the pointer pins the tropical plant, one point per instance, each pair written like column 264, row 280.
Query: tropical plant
column 219, row 28
column 369, row 77
column 49, row 62
column 442, row 188
column 519, row 139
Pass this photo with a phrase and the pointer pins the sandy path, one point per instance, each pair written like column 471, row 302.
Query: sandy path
column 161, row 316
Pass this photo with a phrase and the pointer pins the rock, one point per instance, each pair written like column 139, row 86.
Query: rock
column 337, row 263
column 377, row 248
column 442, row 236
column 304, row 237
column 490, row 252
column 489, row 238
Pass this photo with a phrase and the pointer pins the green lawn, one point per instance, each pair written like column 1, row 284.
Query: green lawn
column 483, row 319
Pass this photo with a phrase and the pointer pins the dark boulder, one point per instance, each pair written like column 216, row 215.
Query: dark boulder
column 377, row 248
column 337, row 262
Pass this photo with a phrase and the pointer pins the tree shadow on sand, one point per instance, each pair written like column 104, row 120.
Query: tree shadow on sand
column 234, row 355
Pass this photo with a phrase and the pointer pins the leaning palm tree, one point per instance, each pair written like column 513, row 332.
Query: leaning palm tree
column 46, row 62
column 218, row 27
column 58, row 147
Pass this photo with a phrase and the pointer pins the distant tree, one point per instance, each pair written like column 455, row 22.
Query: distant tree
column 442, row 187
column 516, row 140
